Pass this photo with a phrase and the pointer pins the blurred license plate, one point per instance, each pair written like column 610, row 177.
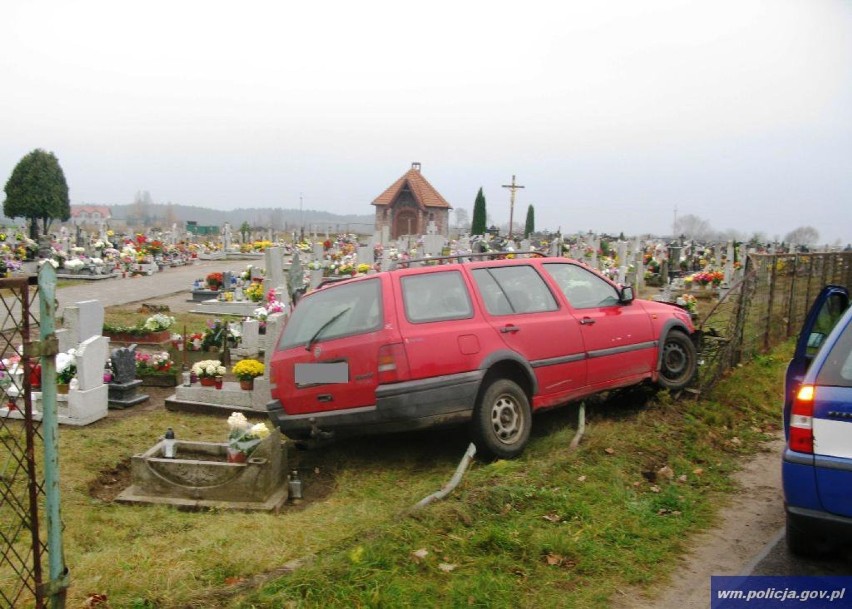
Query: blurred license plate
column 315, row 374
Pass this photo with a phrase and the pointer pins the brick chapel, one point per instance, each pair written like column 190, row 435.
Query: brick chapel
column 409, row 204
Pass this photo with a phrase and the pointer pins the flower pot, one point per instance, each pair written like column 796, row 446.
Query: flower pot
column 62, row 388
column 236, row 456
column 247, row 384
column 207, row 381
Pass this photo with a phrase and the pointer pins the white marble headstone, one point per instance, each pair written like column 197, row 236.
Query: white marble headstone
column 91, row 356
column 84, row 319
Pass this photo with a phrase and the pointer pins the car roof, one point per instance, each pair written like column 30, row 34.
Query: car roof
column 498, row 258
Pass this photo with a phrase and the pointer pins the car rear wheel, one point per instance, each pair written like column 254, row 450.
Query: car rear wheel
column 502, row 421
column 679, row 361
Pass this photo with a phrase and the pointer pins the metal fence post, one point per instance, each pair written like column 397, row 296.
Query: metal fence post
column 766, row 334
column 791, row 302
column 56, row 587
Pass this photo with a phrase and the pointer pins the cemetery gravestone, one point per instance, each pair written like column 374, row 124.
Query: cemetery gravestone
column 124, row 386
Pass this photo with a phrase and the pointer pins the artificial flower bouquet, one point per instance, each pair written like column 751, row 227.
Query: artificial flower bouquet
column 248, row 369
column 243, row 437
column 208, row 368
column 66, row 366
column 153, row 363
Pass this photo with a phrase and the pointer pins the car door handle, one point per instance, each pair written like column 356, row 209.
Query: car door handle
column 510, row 329
column 587, row 321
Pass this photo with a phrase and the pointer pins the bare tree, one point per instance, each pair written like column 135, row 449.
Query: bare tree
column 804, row 235
column 462, row 218
column 693, row 227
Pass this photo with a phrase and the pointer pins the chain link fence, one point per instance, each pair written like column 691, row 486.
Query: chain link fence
column 22, row 543
column 765, row 308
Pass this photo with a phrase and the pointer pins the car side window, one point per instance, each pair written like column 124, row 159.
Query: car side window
column 435, row 297
column 829, row 314
column 582, row 288
column 837, row 369
column 513, row 289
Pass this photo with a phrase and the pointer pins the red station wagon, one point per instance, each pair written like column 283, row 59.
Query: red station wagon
column 483, row 342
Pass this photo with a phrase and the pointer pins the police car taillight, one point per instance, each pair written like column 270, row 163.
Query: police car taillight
column 802, row 421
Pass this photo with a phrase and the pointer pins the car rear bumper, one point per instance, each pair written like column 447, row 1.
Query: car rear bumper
column 405, row 406
column 821, row 525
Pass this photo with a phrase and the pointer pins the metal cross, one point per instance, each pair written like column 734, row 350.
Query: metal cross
column 513, row 187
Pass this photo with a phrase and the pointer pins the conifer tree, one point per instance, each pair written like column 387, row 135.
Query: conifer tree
column 477, row 225
column 529, row 227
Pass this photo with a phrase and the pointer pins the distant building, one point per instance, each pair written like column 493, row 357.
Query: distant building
column 91, row 215
column 409, row 204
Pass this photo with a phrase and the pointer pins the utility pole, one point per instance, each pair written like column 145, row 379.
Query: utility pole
column 674, row 222
column 512, row 187
column 301, row 220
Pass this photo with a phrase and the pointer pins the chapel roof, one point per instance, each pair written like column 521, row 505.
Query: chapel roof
column 422, row 191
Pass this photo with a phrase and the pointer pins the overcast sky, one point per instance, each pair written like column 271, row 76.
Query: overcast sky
column 611, row 114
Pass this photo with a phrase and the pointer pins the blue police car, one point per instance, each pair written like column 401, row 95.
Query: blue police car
column 817, row 461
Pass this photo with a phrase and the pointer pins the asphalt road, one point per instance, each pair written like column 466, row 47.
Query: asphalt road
column 119, row 291
column 775, row 559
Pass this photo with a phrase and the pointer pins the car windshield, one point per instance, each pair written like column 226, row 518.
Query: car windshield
column 334, row 312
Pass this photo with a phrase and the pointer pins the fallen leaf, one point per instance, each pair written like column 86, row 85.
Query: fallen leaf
column 557, row 560
column 446, row 567
column 316, row 470
column 97, row 600
column 420, row 554
column 609, row 451
column 231, row 581
column 736, row 441
column 682, row 478
column 552, row 517
column 581, row 479
column 506, row 509
column 655, row 489
column 698, row 471
column 665, row 472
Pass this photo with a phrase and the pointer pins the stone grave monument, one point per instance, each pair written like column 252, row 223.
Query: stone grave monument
column 124, row 388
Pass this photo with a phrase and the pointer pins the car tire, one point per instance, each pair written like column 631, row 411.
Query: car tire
column 678, row 361
column 502, row 421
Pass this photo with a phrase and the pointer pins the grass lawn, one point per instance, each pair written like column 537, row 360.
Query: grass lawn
column 555, row 528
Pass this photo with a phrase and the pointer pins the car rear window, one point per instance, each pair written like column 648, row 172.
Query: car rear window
column 343, row 310
column 435, row 297
column 836, row 371
column 510, row 290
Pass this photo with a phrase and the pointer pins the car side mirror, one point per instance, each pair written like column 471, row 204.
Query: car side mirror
column 625, row 295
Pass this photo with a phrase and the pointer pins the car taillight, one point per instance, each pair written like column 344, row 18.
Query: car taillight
column 393, row 363
column 802, row 420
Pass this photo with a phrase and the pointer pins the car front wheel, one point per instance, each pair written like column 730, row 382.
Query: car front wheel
column 502, row 421
column 679, row 361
